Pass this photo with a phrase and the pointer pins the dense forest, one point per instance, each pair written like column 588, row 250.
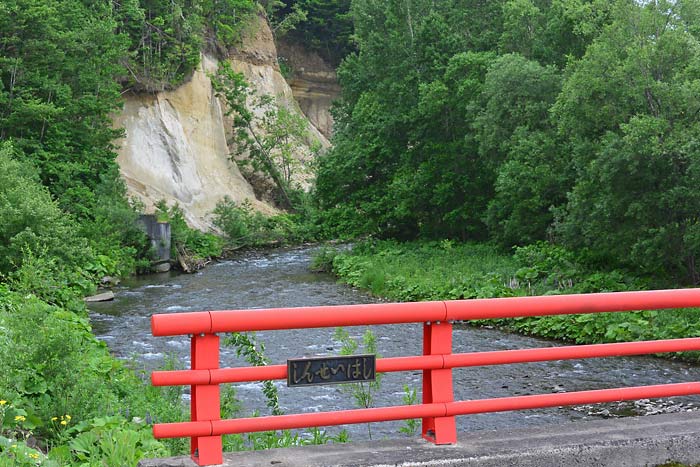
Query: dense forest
column 518, row 121
column 569, row 127
column 67, row 223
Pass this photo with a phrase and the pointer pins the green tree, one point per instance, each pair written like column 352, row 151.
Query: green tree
column 552, row 31
column 225, row 20
column 517, row 139
column 284, row 17
column 530, row 185
column 33, row 229
column 324, row 26
column 630, row 109
column 165, row 39
column 273, row 141
column 517, row 93
column 59, row 60
column 404, row 162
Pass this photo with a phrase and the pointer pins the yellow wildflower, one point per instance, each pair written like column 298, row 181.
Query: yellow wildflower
column 20, row 418
column 3, row 402
column 67, row 417
column 64, row 423
column 34, row 455
column 53, row 419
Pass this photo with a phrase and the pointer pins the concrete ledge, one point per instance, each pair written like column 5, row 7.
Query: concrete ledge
column 621, row 442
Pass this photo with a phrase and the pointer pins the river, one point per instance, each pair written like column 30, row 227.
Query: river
column 281, row 278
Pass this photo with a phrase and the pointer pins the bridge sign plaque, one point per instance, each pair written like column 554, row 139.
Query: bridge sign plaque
column 331, row 370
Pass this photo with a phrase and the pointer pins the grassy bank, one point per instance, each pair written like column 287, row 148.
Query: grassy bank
column 447, row 271
column 64, row 400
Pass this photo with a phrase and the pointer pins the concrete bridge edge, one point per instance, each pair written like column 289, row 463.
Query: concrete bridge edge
column 619, row 442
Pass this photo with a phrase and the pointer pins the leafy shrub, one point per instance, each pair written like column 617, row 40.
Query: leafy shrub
column 426, row 270
column 31, row 223
column 548, row 264
column 43, row 276
column 245, row 227
column 447, row 271
column 192, row 241
column 107, row 440
column 322, row 260
column 52, row 365
column 112, row 439
column 237, row 222
column 120, row 244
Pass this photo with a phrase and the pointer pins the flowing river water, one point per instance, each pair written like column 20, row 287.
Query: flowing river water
column 282, row 279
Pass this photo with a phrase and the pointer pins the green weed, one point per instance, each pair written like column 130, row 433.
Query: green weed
column 364, row 392
column 446, row 270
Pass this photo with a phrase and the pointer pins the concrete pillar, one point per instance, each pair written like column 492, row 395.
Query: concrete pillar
column 160, row 236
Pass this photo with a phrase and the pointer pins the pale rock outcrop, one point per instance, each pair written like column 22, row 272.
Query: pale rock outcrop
column 175, row 150
column 178, row 144
column 314, row 84
column 256, row 59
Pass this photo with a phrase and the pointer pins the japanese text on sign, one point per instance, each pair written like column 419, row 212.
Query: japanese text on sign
column 331, row 370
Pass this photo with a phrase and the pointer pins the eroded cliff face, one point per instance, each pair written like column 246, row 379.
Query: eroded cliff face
column 175, row 149
column 314, row 84
column 178, row 146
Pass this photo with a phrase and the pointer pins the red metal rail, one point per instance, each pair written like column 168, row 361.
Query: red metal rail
column 438, row 408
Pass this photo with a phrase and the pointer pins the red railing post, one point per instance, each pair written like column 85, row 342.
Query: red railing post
column 437, row 384
column 205, row 402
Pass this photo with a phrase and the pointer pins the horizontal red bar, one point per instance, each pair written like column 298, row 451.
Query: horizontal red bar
column 288, row 422
column 297, row 318
column 423, row 362
column 182, row 430
column 219, row 376
column 539, row 401
column 175, row 324
column 394, row 313
column 240, row 375
column 343, row 417
column 181, row 378
column 517, row 307
column 435, row 362
column 506, row 357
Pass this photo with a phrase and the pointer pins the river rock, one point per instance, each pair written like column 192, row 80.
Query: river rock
column 109, row 281
column 162, row 266
column 103, row 297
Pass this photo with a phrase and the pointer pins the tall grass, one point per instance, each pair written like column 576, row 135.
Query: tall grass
column 427, row 270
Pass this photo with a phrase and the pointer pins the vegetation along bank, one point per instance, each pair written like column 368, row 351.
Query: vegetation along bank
column 446, row 270
column 66, row 221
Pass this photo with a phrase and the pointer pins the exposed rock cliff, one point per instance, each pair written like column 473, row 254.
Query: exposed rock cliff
column 313, row 82
column 177, row 147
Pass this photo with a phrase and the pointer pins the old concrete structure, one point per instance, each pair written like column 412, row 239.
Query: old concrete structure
column 160, row 236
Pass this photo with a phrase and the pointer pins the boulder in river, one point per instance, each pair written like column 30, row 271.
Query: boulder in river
column 103, row 297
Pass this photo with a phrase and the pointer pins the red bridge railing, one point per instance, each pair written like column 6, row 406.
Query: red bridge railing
column 438, row 409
